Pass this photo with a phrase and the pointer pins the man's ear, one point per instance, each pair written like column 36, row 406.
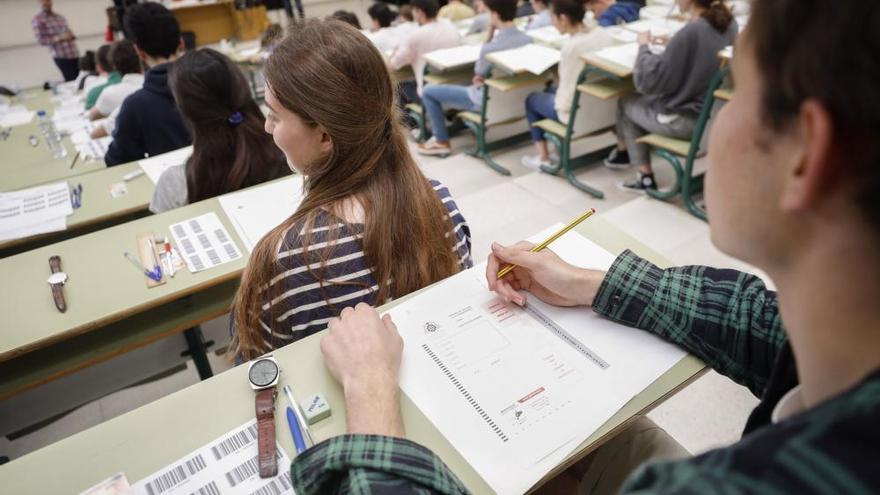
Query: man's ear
column 810, row 173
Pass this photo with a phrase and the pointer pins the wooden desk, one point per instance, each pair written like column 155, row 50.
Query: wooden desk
column 23, row 165
column 98, row 208
column 146, row 439
column 214, row 20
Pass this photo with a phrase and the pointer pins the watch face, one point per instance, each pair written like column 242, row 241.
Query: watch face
column 263, row 372
column 57, row 278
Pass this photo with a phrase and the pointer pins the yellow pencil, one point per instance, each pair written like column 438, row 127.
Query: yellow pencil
column 508, row 268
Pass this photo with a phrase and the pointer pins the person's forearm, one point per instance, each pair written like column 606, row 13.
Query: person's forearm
column 373, row 408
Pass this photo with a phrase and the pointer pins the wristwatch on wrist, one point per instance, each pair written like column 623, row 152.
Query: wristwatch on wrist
column 57, row 281
column 263, row 374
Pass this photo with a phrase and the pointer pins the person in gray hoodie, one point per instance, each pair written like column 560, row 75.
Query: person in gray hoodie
column 671, row 86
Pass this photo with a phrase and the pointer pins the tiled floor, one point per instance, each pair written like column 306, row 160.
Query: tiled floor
column 709, row 413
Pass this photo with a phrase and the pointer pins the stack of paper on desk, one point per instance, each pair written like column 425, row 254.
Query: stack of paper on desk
column 449, row 58
column 514, row 390
column 548, row 35
column 256, row 211
column 657, row 27
column 37, row 210
column 155, row 165
column 623, row 55
column 532, row 58
column 93, row 149
column 15, row 115
column 620, row 35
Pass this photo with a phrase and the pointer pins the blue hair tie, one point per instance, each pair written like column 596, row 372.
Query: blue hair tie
column 235, row 119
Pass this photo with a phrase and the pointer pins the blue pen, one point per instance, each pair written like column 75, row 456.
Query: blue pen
column 155, row 274
column 298, row 441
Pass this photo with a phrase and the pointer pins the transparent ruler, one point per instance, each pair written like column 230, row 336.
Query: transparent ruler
column 551, row 325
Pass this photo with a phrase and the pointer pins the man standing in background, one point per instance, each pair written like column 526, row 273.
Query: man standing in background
column 51, row 30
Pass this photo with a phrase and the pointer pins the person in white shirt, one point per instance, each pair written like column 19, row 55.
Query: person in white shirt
column 555, row 103
column 542, row 15
column 382, row 34
column 432, row 34
column 125, row 61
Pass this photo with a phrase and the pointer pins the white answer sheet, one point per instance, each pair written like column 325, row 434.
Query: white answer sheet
column 256, row 211
column 503, row 386
column 532, row 58
column 204, row 242
column 35, row 210
column 458, row 56
column 155, row 165
column 225, row 466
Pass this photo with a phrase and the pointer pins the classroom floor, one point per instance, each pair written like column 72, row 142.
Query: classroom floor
column 710, row 412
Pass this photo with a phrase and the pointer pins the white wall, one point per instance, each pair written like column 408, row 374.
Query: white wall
column 85, row 17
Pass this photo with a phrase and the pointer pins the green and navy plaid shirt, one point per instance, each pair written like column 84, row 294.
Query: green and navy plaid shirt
column 729, row 320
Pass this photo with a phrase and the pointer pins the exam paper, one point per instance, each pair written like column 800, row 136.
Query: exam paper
column 225, row 466
column 548, row 35
column 93, row 149
column 256, row 211
column 16, row 117
column 204, row 242
column 620, row 35
column 155, row 165
column 35, row 210
column 624, row 55
column 504, row 386
column 657, row 27
column 529, row 58
column 454, row 57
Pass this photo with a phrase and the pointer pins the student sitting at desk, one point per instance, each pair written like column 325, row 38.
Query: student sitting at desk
column 382, row 34
column 611, row 12
column 148, row 122
column 809, row 352
column 555, row 103
column 128, row 67
column 481, row 20
column 231, row 150
column 456, row 10
column 436, row 97
column 104, row 65
column 371, row 227
column 432, row 34
column 541, row 17
column 672, row 87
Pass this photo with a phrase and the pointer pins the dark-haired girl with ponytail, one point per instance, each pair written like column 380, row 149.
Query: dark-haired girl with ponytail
column 231, row 150
column 671, row 86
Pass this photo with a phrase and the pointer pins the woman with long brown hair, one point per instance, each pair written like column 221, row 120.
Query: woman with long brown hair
column 231, row 150
column 371, row 227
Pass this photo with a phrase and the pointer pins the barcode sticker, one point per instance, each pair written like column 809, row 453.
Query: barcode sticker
column 232, row 444
column 277, row 486
column 209, row 489
column 227, row 465
column 243, row 471
column 205, row 242
column 176, row 475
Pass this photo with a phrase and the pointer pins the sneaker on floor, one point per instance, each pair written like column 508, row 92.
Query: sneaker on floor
column 534, row 162
column 617, row 160
column 639, row 184
column 432, row 148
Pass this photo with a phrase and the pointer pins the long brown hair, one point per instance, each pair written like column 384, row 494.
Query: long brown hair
column 231, row 150
column 717, row 13
column 330, row 75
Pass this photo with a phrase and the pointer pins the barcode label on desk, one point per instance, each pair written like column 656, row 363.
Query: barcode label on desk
column 243, row 471
column 205, row 242
column 176, row 475
column 227, row 465
column 275, row 487
column 209, row 489
column 232, row 444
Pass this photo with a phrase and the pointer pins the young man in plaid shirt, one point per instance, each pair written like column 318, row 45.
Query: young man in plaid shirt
column 51, row 30
column 792, row 188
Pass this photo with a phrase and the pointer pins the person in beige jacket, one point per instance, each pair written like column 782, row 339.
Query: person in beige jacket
column 555, row 102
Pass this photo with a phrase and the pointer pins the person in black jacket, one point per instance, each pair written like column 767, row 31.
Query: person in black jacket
column 149, row 122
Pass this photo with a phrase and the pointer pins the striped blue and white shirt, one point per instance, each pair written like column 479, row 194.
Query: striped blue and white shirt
column 306, row 297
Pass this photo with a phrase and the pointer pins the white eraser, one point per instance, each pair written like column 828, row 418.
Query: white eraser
column 316, row 408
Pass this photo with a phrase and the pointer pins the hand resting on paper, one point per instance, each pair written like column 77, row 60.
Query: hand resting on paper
column 543, row 274
column 363, row 353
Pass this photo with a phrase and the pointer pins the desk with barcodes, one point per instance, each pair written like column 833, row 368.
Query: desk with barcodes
column 164, row 433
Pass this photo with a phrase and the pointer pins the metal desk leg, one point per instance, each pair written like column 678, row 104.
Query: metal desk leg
column 195, row 342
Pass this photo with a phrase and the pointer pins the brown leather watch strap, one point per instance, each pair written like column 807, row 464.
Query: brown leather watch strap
column 57, row 289
column 265, row 402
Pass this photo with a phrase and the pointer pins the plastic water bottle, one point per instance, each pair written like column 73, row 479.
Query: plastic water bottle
column 53, row 139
